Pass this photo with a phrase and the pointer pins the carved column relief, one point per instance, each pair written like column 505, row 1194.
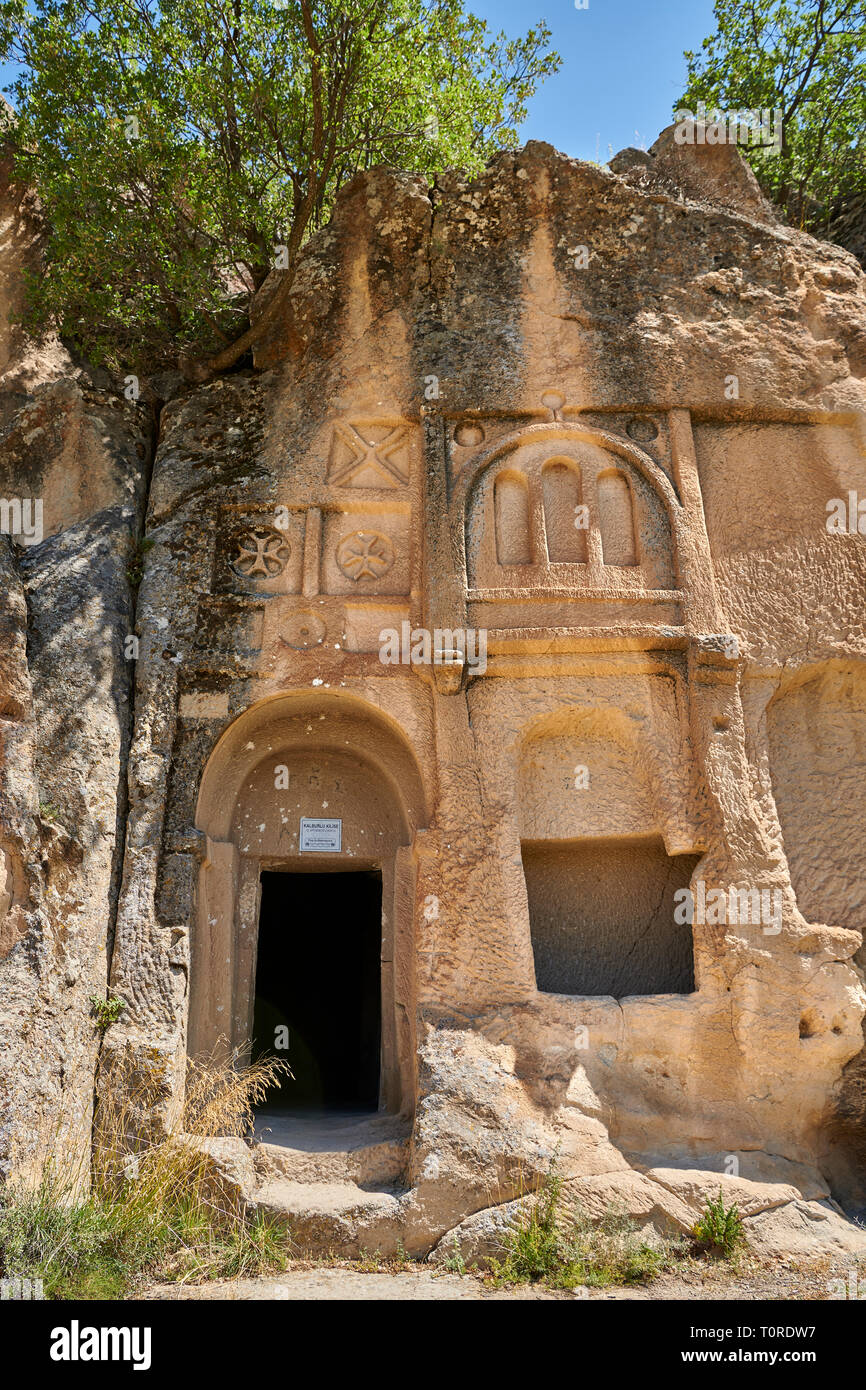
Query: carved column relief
column 694, row 558
column 312, row 551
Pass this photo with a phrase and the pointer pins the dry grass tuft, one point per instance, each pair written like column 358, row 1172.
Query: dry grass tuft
column 152, row 1207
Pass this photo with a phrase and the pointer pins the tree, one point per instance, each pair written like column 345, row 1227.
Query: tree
column 182, row 149
column 805, row 60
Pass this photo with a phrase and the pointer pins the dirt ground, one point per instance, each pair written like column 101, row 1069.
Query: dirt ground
column 752, row 1280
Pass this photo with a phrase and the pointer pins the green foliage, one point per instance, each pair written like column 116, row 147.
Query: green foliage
column 135, row 568
column 719, row 1229
column 536, row 1249
column 97, row 1248
column 558, row 1244
column 104, row 1012
column 804, row 59
column 74, row 1249
column 176, row 145
column 154, row 1210
column 455, row 1263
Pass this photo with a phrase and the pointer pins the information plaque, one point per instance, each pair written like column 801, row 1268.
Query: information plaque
column 321, row 836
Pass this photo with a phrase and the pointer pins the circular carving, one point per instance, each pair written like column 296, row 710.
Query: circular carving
column 553, row 400
column 365, row 555
column 262, row 553
column 641, row 429
column 469, row 434
column 304, row 630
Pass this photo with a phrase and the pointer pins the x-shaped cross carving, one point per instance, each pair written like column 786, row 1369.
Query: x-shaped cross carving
column 378, row 456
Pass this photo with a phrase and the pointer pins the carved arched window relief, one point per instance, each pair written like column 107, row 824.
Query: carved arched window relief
column 519, row 526
column 564, row 517
column 616, row 518
column 511, row 506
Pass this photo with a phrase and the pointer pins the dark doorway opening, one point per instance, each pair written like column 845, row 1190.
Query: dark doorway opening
column 318, row 978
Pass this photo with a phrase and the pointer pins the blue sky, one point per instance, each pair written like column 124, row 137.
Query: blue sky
column 622, row 69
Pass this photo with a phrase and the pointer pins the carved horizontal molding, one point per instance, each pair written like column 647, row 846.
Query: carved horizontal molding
column 594, row 595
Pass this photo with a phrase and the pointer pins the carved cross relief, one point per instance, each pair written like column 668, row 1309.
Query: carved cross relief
column 359, row 459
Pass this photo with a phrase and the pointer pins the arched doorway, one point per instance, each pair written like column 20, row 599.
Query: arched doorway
column 309, row 805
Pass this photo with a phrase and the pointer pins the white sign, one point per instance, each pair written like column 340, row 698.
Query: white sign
column 321, row 836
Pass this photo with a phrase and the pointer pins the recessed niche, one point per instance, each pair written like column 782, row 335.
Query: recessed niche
column 511, row 500
column 468, row 434
column 642, row 429
column 817, row 740
column 566, row 541
column 616, row 518
column 601, row 914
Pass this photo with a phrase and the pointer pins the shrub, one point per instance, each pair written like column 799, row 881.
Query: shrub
column 536, row 1249
column 558, row 1244
column 104, row 1012
column 719, row 1229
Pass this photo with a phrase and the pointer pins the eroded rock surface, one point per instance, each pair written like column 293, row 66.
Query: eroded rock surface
column 597, row 416
column 81, row 454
